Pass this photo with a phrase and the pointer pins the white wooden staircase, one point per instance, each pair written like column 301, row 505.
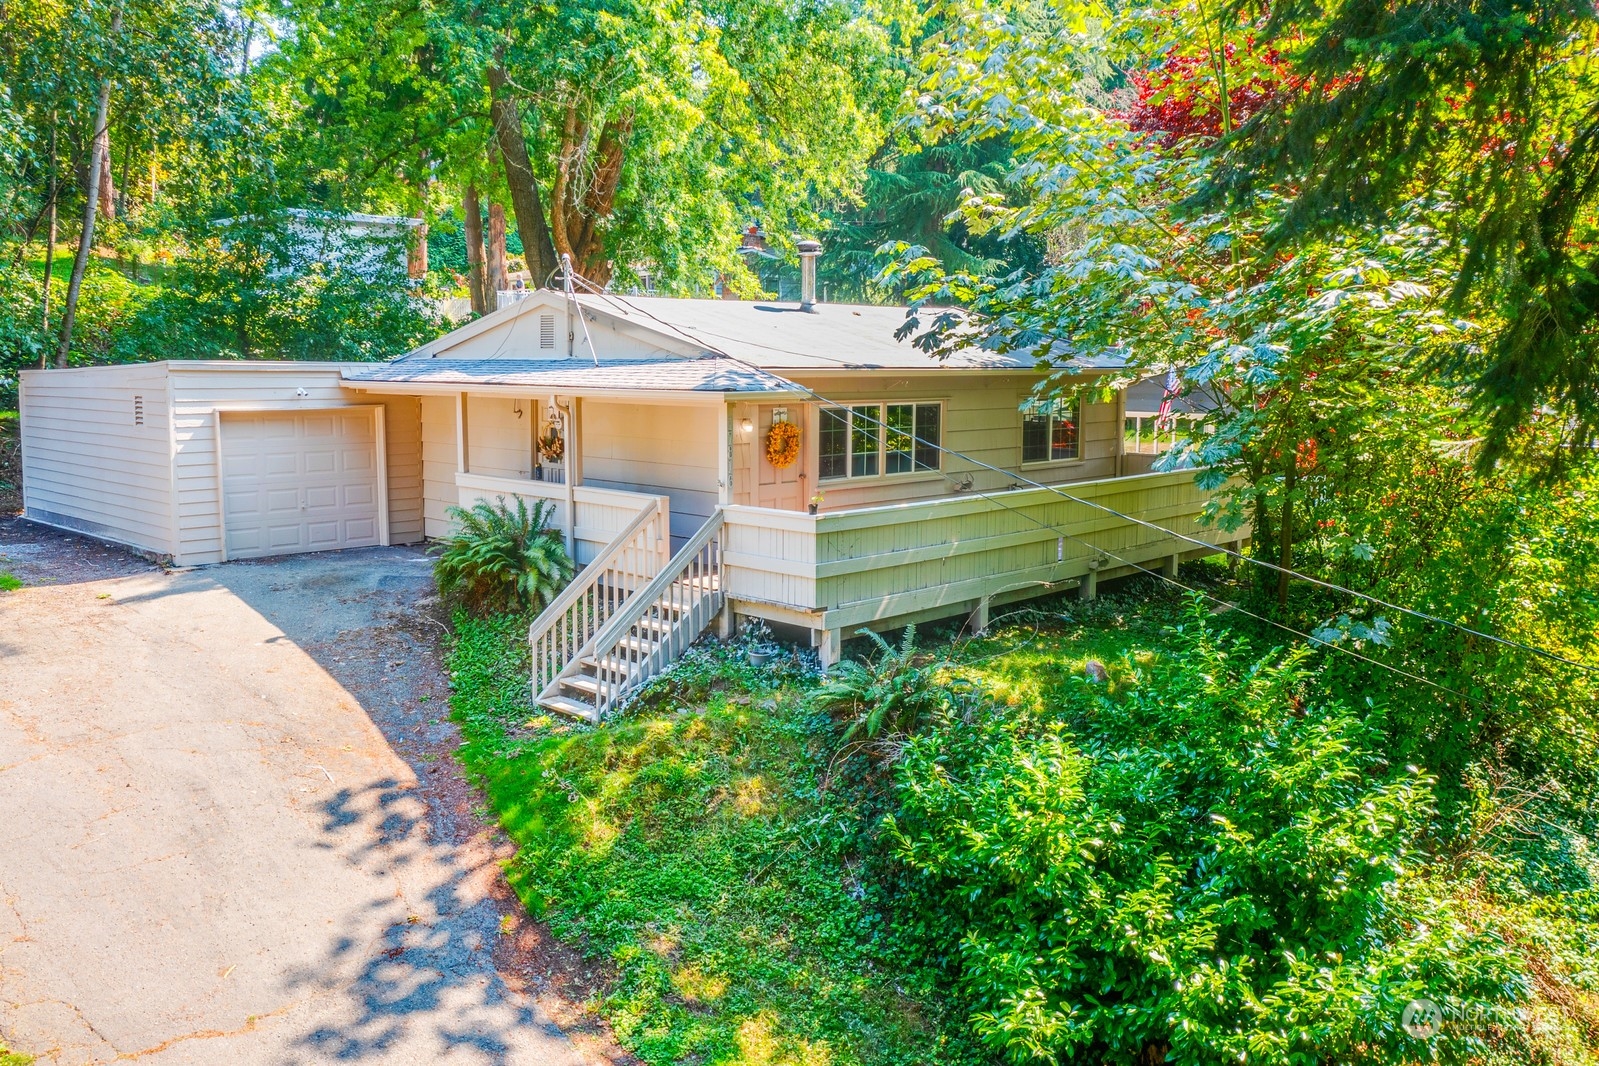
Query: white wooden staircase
column 629, row 615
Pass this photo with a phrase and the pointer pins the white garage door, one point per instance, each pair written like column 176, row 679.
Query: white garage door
column 299, row 482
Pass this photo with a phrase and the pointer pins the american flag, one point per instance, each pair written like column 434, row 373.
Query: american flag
column 1164, row 419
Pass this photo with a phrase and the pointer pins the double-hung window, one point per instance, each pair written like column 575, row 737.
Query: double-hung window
column 1051, row 431
column 866, row 440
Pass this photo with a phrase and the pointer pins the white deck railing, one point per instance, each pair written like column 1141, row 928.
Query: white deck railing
column 601, row 513
column 648, row 630
column 583, row 608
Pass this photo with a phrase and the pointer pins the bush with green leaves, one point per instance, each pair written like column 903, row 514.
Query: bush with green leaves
column 886, row 699
column 502, row 559
column 1210, row 865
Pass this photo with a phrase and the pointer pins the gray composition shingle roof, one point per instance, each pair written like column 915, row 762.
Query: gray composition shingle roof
column 780, row 337
column 708, row 374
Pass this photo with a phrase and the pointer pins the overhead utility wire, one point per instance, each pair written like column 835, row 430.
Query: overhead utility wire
column 1016, row 476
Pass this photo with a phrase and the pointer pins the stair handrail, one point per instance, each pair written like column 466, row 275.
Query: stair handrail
column 550, row 621
column 609, row 637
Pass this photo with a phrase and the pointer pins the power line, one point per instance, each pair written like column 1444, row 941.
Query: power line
column 1055, row 490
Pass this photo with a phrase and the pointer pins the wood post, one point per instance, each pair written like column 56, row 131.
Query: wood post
column 1168, row 566
column 1088, row 588
column 829, row 644
column 977, row 621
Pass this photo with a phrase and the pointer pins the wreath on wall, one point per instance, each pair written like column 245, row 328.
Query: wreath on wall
column 551, row 447
column 783, row 444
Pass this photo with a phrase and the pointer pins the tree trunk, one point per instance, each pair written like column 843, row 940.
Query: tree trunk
column 526, row 203
column 573, row 133
column 1285, row 535
column 499, row 276
column 49, row 250
column 477, row 282
column 582, row 226
column 97, row 161
column 102, row 150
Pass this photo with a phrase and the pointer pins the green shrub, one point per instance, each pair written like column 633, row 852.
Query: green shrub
column 1209, row 866
column 886, row 699
column 696, row 855
column 502, row 560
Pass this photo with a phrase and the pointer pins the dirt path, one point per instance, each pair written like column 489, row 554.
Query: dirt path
column 234, row 832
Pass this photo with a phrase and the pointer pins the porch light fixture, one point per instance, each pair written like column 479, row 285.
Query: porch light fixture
column 553, row 415
column 745, row 425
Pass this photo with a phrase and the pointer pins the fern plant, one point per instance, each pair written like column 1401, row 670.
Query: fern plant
column 888, row 698
column 501, row 559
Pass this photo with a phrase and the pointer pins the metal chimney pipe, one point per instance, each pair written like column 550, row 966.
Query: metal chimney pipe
column 808, row 253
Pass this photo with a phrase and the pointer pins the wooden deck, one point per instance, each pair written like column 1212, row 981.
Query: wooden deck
column 884, row 566
column 881, row 567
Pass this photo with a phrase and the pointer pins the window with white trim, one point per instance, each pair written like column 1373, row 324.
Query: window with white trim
column 867, row 440
column 1051, row 431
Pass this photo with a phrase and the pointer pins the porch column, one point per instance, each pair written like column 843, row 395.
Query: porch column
column 724, row 461
column 1121, row 432
column 571, row 467
column 462, row 466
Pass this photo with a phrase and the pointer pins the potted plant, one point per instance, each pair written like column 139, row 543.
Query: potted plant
column 759, row 647
column 816, row 501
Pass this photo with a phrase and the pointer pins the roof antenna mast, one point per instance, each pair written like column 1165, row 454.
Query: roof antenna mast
column 574, row 308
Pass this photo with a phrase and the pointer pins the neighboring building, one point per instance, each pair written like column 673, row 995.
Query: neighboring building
column 661, row 482
column 372, row 246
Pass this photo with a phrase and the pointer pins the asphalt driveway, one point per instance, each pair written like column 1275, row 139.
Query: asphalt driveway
column 212, row 846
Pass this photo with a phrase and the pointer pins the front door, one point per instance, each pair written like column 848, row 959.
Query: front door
column 782, row 488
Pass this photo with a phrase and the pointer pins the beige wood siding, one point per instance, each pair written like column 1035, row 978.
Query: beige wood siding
column 666, row 449
column 402, row 421
column 438, row 464
column 97, row 452
column 981, row 418
column 499, row 439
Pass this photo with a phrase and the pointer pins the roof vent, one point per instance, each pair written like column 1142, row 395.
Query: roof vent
column 809, row 251
column 547, row 332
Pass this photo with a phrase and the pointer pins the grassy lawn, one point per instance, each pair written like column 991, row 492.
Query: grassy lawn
column 699, row 847
column 692, row 847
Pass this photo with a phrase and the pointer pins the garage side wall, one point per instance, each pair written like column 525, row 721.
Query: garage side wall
column 96, row 453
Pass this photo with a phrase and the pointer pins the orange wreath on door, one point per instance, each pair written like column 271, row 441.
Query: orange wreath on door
column 783, row 444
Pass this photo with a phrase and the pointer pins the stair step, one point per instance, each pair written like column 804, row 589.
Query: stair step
column 584, row 683
column 642, row 645
column 622, row 666
column 567, row 705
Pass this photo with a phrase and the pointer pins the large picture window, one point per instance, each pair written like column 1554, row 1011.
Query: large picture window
column 1051, row 431
column 865, row 440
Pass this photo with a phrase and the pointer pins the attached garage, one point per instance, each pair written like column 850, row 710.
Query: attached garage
column 297, row 481
column 203, row 461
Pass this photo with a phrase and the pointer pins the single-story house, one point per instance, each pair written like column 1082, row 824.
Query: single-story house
column 891, row 492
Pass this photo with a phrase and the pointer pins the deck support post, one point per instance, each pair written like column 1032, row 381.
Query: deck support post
column 829, row 644
column 977, row 621
column 726, row 624
column 1088, row 588
column 1168, row 566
